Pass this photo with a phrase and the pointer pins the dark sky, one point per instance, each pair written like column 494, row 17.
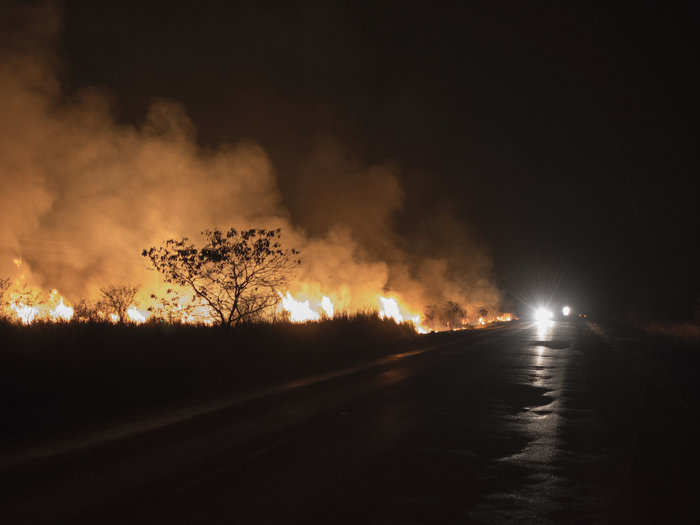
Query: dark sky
column 565, row 139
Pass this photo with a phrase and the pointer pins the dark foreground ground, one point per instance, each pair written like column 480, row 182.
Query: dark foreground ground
column 572, row 423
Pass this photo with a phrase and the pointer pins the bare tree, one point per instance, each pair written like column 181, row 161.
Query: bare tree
column 237, row 274
column 117, row 299
column 86, row 311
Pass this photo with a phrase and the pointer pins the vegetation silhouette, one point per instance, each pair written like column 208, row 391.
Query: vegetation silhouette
column 172, row 307
column 237, row 274
column 116, row 299
column 57, row 379
column 447, row 316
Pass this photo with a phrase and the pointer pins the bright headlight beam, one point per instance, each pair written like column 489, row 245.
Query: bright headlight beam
column 566, row 311
column 542, row 314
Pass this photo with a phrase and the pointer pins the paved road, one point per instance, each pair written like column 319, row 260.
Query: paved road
column 565, row 423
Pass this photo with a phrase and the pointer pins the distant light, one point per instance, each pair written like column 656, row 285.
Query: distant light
column 566, row 311
column 542, row 314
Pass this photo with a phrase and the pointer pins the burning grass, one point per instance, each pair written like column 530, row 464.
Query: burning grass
column 213, row 295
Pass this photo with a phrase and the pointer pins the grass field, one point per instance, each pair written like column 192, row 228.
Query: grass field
column 57, row 379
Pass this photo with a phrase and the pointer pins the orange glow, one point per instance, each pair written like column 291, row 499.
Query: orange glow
column 23, row 303
column 83, row 194
column 27, row 304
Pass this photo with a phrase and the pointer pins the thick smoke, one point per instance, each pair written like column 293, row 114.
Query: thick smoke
column 82, row 195
column 433, row 265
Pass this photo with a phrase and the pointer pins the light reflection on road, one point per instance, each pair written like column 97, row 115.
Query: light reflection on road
column 544, row 330
column 545, row 368
column 544, row 357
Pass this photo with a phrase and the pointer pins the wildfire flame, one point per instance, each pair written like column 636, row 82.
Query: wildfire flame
column 135, row 316
column 300, row 311
column 390, row 308
column 21, row 304
column 62, row 312
column 24, row 307
column 25, row 314
column 327, row 306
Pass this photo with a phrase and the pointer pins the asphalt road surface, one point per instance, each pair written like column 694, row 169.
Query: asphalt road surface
column 566, row 423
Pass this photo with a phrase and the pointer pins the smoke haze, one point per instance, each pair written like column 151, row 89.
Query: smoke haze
column 82, row 195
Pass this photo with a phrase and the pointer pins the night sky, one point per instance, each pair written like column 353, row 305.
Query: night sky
column 564, row 139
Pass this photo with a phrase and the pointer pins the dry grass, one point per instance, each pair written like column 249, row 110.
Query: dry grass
column 56, row 378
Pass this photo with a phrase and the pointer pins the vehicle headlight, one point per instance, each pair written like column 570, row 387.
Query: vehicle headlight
column 542, row 314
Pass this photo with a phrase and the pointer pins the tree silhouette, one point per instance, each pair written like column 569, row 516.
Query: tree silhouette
column 116, row 300
column 86, row 311
column 237, row 274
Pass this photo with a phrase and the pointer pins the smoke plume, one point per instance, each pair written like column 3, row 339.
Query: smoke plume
column 82, row 195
